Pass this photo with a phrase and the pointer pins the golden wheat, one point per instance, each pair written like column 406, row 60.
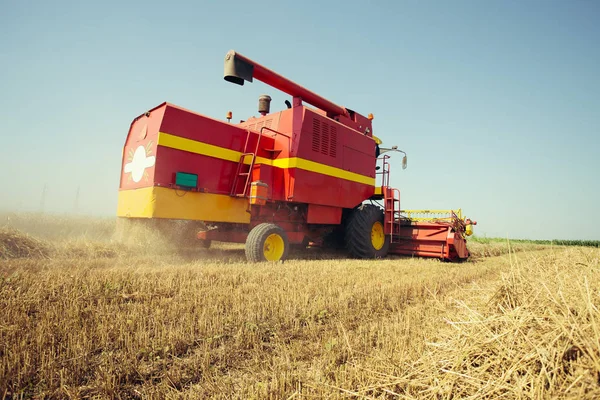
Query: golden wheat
column 101, row 320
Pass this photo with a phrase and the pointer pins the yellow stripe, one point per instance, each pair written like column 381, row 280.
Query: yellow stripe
column 160, row 202
column 312, row 166
column 193, row 146
column 205, row 149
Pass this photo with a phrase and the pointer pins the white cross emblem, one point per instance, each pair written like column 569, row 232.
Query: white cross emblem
column 137, row 166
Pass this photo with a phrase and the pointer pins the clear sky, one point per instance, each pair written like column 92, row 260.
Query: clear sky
column 497, row 103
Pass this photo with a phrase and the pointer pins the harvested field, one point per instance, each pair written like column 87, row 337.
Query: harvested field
column 91, row 318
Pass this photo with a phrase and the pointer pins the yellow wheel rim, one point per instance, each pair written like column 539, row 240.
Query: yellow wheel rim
column 377, row 236
column 273, row 247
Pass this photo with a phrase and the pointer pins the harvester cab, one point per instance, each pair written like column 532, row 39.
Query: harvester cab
column 299, row 176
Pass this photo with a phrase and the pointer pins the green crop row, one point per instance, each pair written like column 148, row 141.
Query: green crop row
column 556, row 242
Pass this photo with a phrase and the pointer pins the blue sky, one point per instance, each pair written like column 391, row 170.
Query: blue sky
column 497, row 103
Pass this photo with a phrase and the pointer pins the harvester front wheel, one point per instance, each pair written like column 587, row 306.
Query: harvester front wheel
column 267, row 242
column 365, row 236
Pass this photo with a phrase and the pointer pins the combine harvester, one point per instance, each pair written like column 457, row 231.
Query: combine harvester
column 295, row 177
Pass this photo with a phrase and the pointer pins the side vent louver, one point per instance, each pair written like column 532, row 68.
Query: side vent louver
column 256, row 127
column 324, row 138
column 316, row 137
column 333, row 142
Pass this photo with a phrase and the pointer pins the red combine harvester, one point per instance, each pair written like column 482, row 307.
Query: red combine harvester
column 295, row 177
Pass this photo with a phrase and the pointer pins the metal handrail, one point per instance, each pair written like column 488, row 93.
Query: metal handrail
column 385, row 171
column 278, row 133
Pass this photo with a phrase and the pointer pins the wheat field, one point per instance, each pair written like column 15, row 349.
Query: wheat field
column 85, row 317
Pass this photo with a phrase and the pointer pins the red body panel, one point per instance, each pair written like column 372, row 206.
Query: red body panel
column 214, row 175
column 314, row 188
column 324, row 215
column 180, row 122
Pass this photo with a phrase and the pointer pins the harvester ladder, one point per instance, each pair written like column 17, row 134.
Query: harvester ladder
column 240, row 168
column 391, row 217
column 385, row 171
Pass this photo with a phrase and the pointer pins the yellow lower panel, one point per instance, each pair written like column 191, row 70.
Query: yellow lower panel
column 159, row 202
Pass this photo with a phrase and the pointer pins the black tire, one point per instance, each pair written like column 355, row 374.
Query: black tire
column 256, row 251
column 359, row 227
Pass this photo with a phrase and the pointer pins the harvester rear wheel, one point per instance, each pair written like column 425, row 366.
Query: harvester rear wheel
column 267, row 242
column 365, row 237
